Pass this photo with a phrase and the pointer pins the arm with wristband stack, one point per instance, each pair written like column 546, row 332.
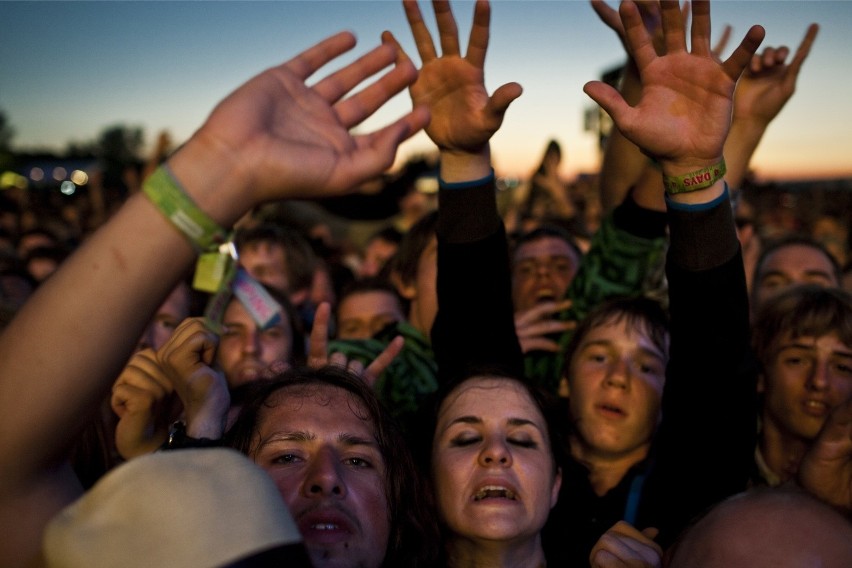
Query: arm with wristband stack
column 272, row 138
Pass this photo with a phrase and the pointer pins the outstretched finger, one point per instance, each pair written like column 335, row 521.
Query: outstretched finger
column 502, row 98
column 639, row 42
column 389, row 39
column 701, row 28
column 422, row 37
column 360, row 106
column 673, row 26
column 318, row 341
column 448, row 32
column 608, row 16
column 307, row 62
column 802, row 53
column 336, row 85
column 612, row 102
column 375, row 369
column 477, row 45
column 742, row 55
column 723, row 41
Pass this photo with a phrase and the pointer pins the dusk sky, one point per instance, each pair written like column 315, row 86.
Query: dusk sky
column 70, row 69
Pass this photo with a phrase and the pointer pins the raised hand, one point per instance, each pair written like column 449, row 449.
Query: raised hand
column 826, row 469
column 142, row 399
column 285, row 139
column 684, row 112
column 534, row 325
column 768, row 83
column 319, row 356
column 452, row 86
column 187, row 359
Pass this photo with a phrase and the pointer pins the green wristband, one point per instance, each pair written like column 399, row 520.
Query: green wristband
column 179, row 208
column 693, row 181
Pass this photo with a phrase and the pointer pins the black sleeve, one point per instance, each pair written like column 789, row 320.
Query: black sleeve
column 474, row 331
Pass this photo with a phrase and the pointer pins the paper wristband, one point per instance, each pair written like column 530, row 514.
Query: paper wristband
column 179, row 208
column 693, row 181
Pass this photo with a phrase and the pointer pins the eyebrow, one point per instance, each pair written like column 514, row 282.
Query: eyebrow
column 344, row 438
column 653, row 352
column 806, row 347
column 477, row 420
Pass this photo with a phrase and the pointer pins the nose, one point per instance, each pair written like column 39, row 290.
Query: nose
column 251, row 342
column 495, row 453
column 146, row 340
column 324, row 477
column 618, row 374
column 818, row 378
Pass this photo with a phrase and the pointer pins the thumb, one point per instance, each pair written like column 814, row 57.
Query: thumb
column 503, row 97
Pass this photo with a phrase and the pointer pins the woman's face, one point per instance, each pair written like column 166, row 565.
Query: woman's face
column 494, row 474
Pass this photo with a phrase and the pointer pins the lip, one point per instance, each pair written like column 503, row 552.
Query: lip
column 326, row 525
column 816, row 408
column 611, row 410
column 493, row 485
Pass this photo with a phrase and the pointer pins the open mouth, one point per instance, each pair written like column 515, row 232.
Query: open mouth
column 611, row 409
column 494, row 492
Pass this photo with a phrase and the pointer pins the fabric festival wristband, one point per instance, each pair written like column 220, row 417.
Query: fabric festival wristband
column 179, row 208
column 693, row 181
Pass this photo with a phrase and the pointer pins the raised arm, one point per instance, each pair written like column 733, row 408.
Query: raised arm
column 272, row 138
column 762, row 91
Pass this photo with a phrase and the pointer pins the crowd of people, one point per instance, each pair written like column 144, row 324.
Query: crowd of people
column 631, row 377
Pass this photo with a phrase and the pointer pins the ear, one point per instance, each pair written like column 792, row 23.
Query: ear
column 557, row 484
column 407, row 291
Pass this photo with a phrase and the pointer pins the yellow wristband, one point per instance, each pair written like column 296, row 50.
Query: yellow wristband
column 693, row 181
column 169, row 197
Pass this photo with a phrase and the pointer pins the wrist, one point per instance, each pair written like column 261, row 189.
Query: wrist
column 696, row 186
column 213, row 179
column 465, row 166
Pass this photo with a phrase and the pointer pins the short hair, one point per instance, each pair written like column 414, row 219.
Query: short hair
column 372, row 284
column 794, row 240
column 412, row 246
column 636, row 311
column 544, row 231
column 300, row 257
column 297, row 330
column 413, row 537
column 801, row 311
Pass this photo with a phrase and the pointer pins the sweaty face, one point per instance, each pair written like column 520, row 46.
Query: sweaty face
column 791, row 265
column 616, row 383
column 267, row 263
column 806, row 379
column 246, row 351
column 362, row 314
column 542, row 270
column 494, row 474
column 325, row 460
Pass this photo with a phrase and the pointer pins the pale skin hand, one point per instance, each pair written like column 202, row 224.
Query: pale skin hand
column 683, row 114
column 319, row 356
column 826, row 469
column 535, row 324
column 187, row 359
column 452, row 86
column 255, row 139
column 623, row 546
column 762, row 91
column 141, row 397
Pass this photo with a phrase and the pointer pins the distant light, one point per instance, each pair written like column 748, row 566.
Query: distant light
column 36, row 174
column 59, row 173
column 68, row 187
column 11, row 179
column 79, row 177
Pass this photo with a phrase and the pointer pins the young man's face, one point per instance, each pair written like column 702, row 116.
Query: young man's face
column 324, row 457
column 363, row 314
column 542, row 270
column 169, row 315
column 806, row 378
column 790, row 265
column 246, row 351
column 616, row 383
column 423, row 292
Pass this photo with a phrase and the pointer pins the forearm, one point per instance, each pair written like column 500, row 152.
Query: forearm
column 742, row 141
